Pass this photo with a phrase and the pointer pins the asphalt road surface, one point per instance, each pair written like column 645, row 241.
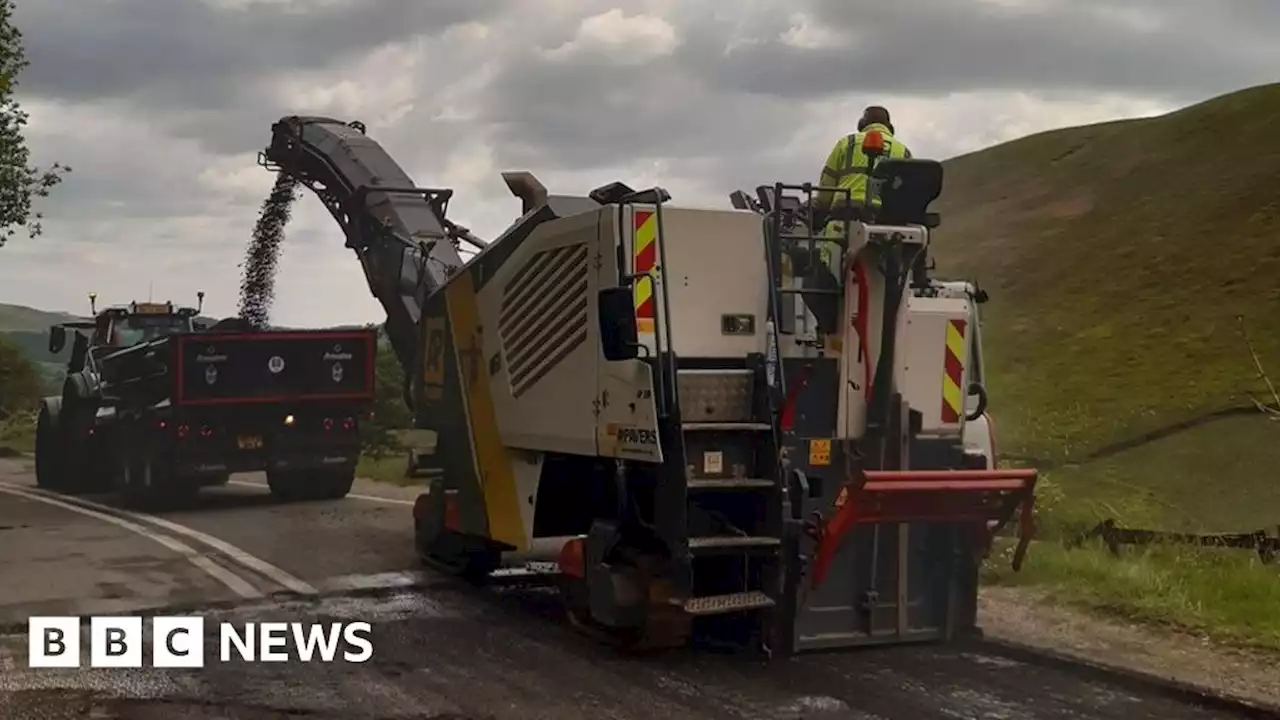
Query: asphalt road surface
column 441, row 649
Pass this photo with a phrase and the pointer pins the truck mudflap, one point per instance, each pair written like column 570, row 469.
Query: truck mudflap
column 895, row 555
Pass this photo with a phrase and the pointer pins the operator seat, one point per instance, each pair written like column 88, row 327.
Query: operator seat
column 906, row 189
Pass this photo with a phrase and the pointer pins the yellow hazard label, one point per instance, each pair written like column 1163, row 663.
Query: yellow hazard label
column 953, row 372
column 820, row 452
column 645, row 251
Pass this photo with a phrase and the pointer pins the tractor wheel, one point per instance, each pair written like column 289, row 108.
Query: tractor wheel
column 295, row 485
column 130, row 480
column 286, row 485
column 51, row 453
column 335, row 484
column 64, row 462
column 143, row 484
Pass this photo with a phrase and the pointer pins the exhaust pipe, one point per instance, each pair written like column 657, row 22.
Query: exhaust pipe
column 524, row 185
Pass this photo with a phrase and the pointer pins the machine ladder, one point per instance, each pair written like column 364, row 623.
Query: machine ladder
column 732, row 490
column 719, row 498
column 732, row 494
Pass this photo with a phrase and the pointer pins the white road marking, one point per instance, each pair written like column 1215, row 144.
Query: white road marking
column 235, row 583
column 353, row 496
column 231, row 551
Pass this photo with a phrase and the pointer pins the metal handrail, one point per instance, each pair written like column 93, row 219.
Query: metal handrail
column 665, row 378
column 663, row 324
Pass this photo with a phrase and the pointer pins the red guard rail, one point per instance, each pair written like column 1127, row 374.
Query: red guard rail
column 985, row 498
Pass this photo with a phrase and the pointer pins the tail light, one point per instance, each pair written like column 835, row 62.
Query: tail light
column 206, row 431
column 328, row 424
column 349, row 423
column 183, row 431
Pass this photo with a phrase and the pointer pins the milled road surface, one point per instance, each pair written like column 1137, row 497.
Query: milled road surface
column 441, row 649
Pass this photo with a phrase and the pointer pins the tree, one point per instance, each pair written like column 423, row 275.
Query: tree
column 20, row 183
column 378, row 434
column 20, row 385
column 20, row 381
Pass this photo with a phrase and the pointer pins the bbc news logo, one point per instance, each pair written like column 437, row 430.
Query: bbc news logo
column 179, row 642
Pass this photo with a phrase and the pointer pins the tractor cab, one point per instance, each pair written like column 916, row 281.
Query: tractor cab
column 123, row 326
column 139, row 322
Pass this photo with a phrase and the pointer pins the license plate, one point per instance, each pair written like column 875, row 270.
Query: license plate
column 249, row 442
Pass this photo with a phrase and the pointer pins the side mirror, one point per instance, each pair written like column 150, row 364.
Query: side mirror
column 619, row 335
column 79, row 352
column 57, row 339
column 980, row 391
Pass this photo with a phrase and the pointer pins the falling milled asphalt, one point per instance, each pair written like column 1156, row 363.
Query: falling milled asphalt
column 442, row 649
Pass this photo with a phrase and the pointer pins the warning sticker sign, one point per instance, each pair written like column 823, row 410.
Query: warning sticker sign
column 820, row 452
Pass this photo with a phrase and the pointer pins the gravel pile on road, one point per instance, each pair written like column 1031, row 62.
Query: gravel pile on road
column 258, row 273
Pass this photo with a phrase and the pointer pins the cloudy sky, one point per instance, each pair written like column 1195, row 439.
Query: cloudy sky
column 160, row 106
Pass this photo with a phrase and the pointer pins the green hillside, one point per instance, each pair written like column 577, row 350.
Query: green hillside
column 23, row 318
column 1118, row 257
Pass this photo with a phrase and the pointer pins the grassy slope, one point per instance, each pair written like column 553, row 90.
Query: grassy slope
column 23, row 318
column 1118, row 257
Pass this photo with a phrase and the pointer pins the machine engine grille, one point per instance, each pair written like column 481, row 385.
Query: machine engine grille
column 544, row 314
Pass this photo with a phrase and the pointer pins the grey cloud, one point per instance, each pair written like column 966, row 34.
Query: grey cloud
column 591, row 109
column 734, row 90
column 122, row 168
column 944, row 46
column 713, row 119
column 190, row 53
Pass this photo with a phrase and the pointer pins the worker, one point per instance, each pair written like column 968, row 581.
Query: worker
column 848, row 166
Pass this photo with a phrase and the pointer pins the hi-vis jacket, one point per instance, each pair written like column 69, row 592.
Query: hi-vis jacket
column 847, row 166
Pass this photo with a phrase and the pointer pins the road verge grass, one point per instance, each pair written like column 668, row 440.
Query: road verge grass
column 1230, row 597
column 1217, row 477
column 1124, row 302
column 386, row 468
column 17, row 435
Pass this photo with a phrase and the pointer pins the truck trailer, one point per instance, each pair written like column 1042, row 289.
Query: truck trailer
column 154, row 407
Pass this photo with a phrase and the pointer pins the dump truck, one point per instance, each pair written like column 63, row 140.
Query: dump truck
column 155, row 406
column 725, row 425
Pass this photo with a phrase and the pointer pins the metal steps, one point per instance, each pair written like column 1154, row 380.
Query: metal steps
column 732, row 491
column 729, row 483
column 732, row 542
column 727, row 603
column 726, row 427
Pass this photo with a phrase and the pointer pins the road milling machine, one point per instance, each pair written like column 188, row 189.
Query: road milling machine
column 700, row 424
